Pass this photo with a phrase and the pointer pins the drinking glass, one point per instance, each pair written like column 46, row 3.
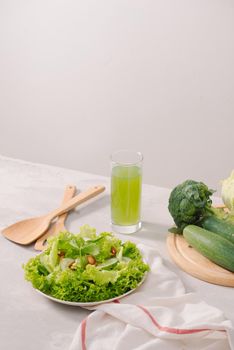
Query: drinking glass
column 126, row 184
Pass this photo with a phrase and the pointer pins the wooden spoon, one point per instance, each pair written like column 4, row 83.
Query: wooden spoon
column 58, row 225
column 26, row 231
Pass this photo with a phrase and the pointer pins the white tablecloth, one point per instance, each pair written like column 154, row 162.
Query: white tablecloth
column 29, row 321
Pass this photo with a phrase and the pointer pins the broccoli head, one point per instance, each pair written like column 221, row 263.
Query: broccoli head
column 189, row 202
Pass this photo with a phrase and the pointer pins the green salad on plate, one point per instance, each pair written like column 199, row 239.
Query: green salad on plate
column 86, row 267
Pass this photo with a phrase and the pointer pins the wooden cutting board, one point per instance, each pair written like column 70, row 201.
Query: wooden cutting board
column 195, row 264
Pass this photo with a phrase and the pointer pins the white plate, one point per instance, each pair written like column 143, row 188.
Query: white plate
column 92, row 303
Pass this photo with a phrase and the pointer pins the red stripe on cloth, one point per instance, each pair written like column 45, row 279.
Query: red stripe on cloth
column 174, row 330
column 116, row 301
column 83, row 334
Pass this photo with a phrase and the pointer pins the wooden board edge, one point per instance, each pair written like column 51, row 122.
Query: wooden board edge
column 189, row 268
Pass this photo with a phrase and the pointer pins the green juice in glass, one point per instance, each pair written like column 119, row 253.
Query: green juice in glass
column 126, row 195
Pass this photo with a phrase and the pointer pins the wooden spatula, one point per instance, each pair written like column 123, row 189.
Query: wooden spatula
column 58, row 225
column 26, row 231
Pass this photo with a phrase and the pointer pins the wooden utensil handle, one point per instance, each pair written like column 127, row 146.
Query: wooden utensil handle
column 68, row 194
column 79, row 199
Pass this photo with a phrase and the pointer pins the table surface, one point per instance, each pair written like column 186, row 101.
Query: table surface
column 27, row 319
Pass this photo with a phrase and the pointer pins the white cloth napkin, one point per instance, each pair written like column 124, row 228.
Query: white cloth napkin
column 158, row 315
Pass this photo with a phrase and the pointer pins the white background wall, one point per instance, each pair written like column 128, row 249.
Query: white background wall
column 79, row 79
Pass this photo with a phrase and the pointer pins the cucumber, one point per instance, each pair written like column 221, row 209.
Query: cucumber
column 211, row 245
column 108, row 264
column 219, row 226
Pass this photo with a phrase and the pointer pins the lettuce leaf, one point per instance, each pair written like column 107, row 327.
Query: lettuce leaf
column 99, row 277
column 87, row 231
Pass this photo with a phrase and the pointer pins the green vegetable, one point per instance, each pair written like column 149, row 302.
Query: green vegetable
column 91, row 248
column 189, row 202
column 65, row 262
column 87, row 231
column 219, row 226
column 63, row 271
column 100, row 277
column 109, row 263
column 227, row 192
column 211, row 245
